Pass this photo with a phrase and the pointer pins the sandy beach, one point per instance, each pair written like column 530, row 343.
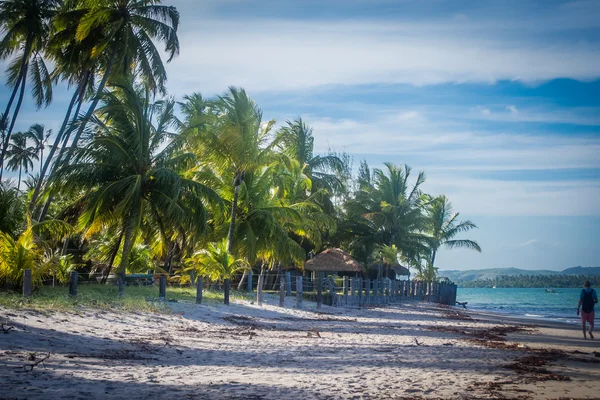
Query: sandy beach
column 242, row 351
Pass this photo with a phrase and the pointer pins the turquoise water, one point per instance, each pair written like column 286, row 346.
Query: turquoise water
column 530, row 303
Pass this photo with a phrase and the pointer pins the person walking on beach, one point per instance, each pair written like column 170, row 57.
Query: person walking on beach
column 587, row 299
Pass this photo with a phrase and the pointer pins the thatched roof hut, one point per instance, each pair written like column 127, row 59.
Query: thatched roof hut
column 333, row 260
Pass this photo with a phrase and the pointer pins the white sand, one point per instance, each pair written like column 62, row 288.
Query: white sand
column 243, row 351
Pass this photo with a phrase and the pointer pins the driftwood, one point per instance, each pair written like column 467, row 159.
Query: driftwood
column 463, row 303
column 6, row 328
column 32, row 357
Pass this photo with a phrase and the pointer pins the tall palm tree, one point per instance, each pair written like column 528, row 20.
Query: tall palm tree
column 444, row 226
column 297, row 141
column 131, row 165
column 121, row 35
column 27, row 27
column 39, row 136
column 20, row 156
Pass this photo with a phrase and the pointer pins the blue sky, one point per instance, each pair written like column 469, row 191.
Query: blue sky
column 497, row 101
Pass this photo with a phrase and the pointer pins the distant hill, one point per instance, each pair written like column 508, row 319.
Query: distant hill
column 492, row 273
column 589, row 271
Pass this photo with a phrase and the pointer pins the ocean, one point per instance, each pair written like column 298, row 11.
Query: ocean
column 529, row 303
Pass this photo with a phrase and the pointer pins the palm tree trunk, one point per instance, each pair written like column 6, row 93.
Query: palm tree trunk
column 41, row 158
column 236, row 192
column 19, row 184
column 57, row 140
column 241, row 283
column 112, row 259
column 22, row 76
column 127, row 245
column 14, row 118
column 86, row 118
column 433, row 253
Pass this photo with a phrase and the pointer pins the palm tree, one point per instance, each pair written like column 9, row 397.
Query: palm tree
column 39, row 136
column 444, row 226
column 297, row 142
column 120, row 35
column 129, row 167
column 20, row 155
column 216, row 263
column 12, row 210
column 234, row 140
column 27, row 27
column 387, row 210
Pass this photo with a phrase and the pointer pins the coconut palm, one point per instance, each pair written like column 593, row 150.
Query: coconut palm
column 20, row 156
column 39, row 136
column 27, row 26
column 12, row 210
column 130, row 166
column 118, row 39
column 443, row 226
column 296, row 140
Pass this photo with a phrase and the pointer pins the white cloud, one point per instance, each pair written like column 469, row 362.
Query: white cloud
column 276, row 55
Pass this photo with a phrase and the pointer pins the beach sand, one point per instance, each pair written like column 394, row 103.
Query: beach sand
column 243, row 351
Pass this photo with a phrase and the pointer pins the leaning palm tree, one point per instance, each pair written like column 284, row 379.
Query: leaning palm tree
column 443, row 226
column 20, row 156
column 26, row 25
column 118, row 39
column 131, row 165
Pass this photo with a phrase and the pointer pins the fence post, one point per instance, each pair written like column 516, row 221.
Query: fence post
column 259, row 289
column 359, row 286
column 345, row 290
column 199, row 288
column 162, row 288
column 249, row 283
column 27, row 283
column 281, row 290
column 299, row 291
column 73, row 284
column 382, row 290
column 319, row 290
column 288, row 283
column 227, row 285
column 368, row 290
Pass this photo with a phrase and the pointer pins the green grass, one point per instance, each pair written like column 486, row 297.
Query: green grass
column 106, row 297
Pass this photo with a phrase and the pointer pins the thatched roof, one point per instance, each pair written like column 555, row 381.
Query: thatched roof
column 398, row 269
column 333, row 260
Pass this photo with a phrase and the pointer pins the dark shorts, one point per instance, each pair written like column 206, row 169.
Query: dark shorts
column 587, row 317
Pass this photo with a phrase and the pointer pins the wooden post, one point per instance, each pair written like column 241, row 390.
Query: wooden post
column 249, row 283
column 226, row 291
column 281, row 290
column 121, row 283
column 27, row 282
column 259, row 289
column 299, row 291
column 162, row 288
column 199, row 288
column 288, row 283
column 319, row 290
column 368, row 290
column 345, row 290
column 359, row 286
column 382, row 291
column 73, row 284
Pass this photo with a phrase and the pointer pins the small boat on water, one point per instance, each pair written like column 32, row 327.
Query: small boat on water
column 551, row 291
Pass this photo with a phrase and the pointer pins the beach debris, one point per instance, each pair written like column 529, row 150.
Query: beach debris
column 417, row 342
column 447, row 344
column 463, row 304
column 35, row 363
column 313, row 332
column 6, row 328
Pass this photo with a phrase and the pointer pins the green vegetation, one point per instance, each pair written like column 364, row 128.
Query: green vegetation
column 135, row 181
column 531, row 281
column 94, row 296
